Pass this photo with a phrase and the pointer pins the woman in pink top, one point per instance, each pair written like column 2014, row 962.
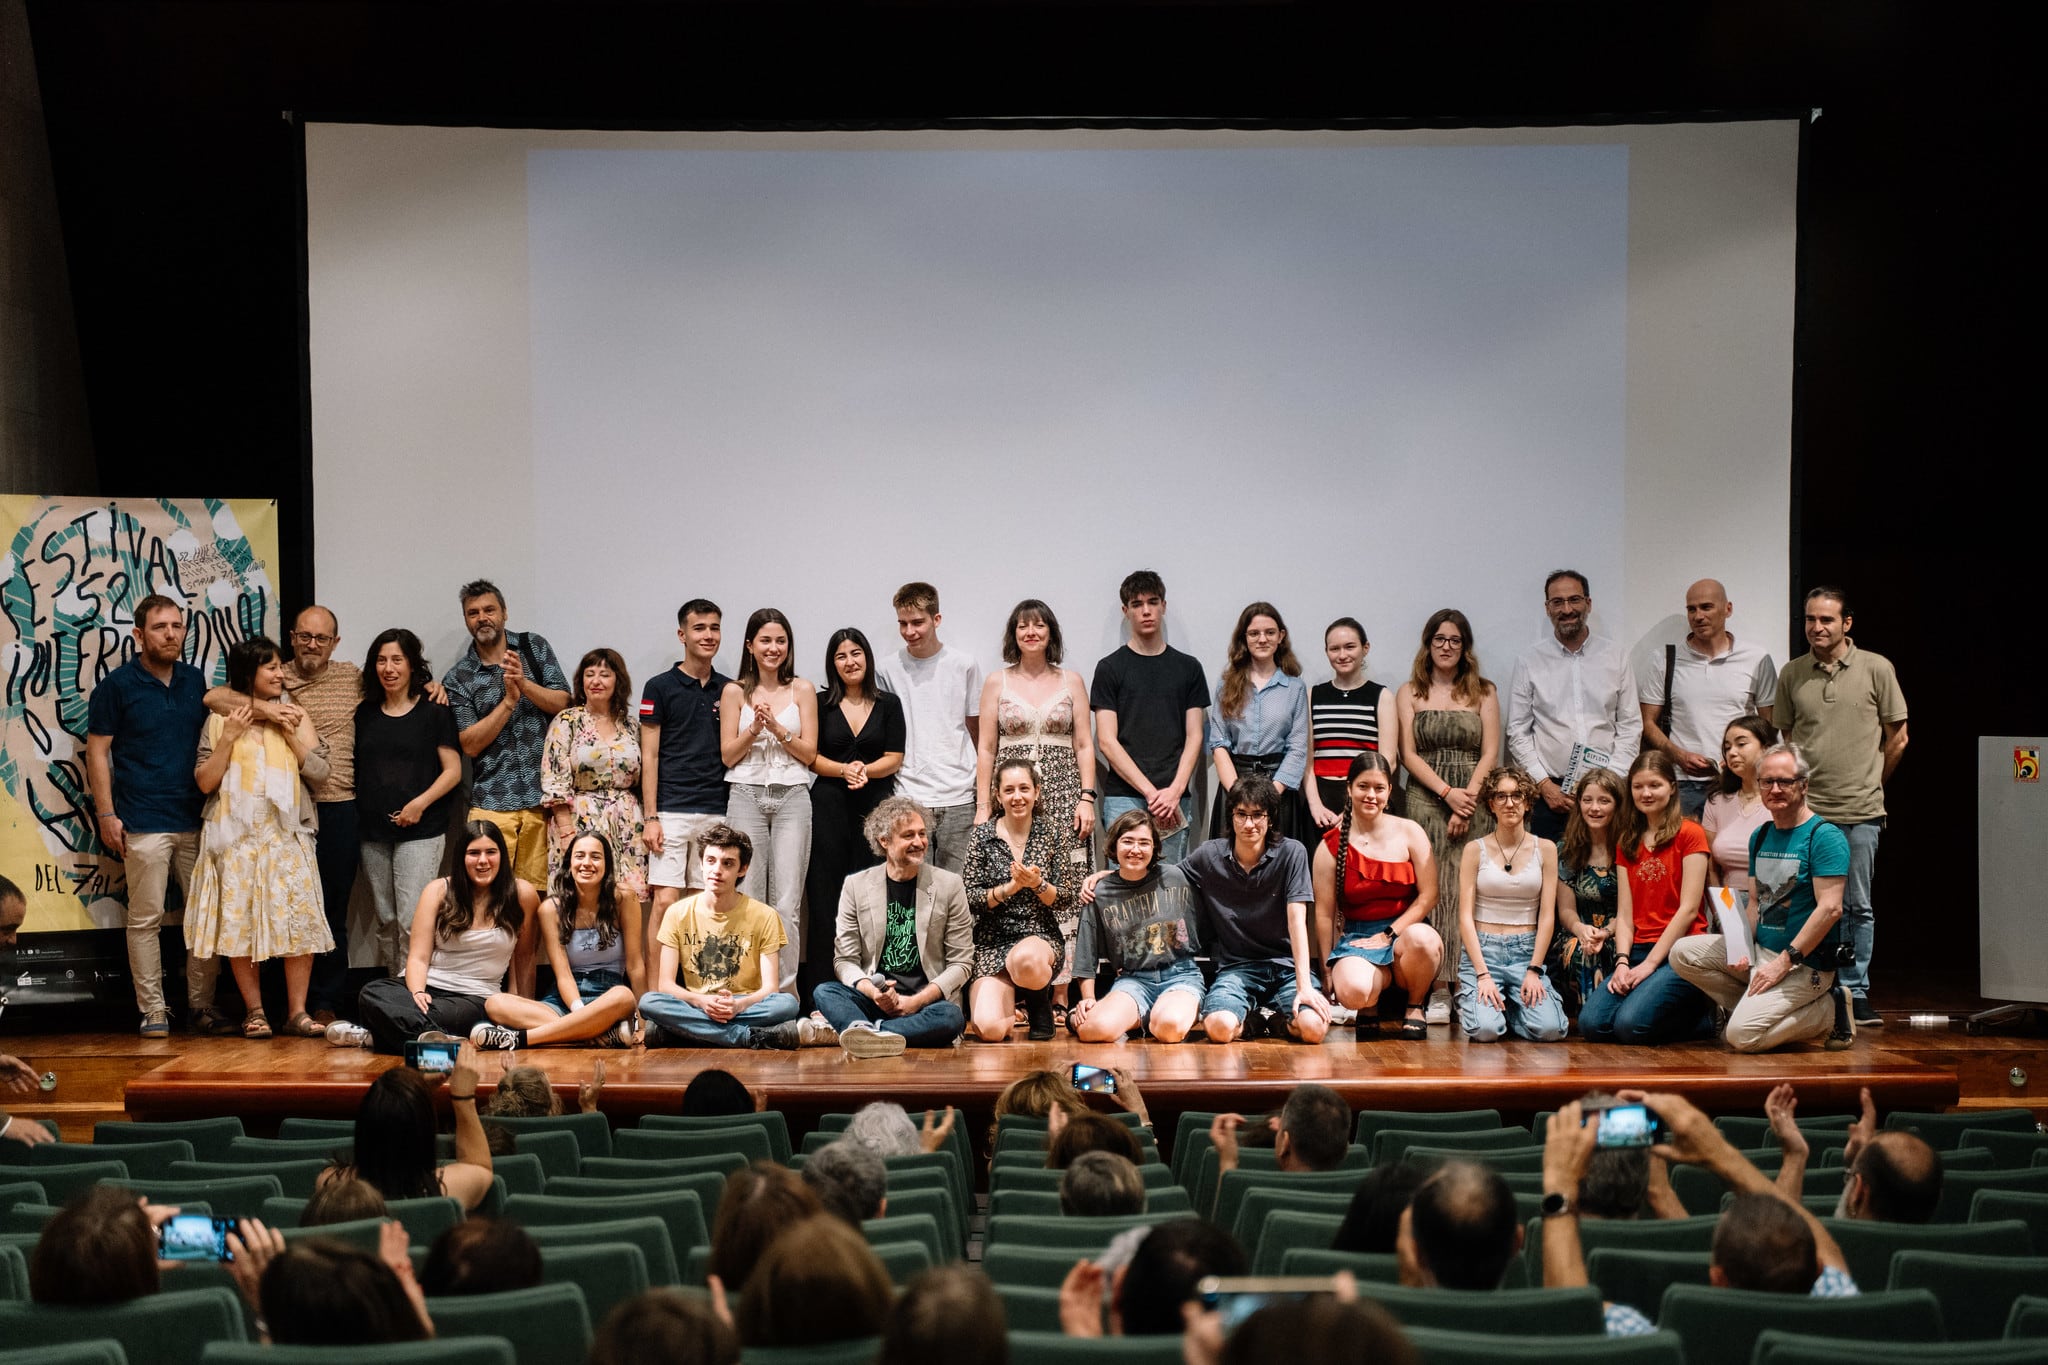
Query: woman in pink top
column 1736, row 810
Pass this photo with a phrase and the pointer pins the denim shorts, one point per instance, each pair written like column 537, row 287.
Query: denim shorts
column 589, row 986
column 1242, row 985
column 1356, row 932
column 1145, row 988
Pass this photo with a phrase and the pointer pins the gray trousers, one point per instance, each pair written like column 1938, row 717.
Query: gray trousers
column 778, row 820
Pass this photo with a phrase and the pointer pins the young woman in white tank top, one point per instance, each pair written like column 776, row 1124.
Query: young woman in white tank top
column 1507, row 905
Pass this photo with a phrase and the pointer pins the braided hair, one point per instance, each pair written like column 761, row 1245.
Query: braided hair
column 1371, row 760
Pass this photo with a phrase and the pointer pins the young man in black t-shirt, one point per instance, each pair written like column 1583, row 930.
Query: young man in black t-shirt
column 682, row 776
column 1149, row 699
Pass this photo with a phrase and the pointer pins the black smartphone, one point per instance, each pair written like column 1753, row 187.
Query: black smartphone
column 1238, row 1297
column 436, row 1059
column 194, row 1237
column 1094, row 1078
column 1626, row 1125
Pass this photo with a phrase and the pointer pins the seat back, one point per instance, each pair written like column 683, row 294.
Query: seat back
column 235, row 1197
column 295, row 1179
column 938, row 1202
column 1046, row 1203
column 593, row 1132
column 546, row 1324
column 1029, row 1266
column 1285, row 1229
column 678, row 1210
column 367, row 1234
column 345, row 1129
column 245, row 1148
column 1233, row 1186
column 1754, row 1130
column 1379, row 1267
column 1958, row 1188
column 922, row 1228
column 2007, row 1148
column 62, row 1184
column 1503, row 1159
column 209, row 1137
column 1976, row 1292
column 1995, row 1206
column 426, row 1218
column 1720, row 1326
column 917, row 1169
column 157, row 1329
column 1522, row 1312
column 2029, row 1318
column 1653, row 1234
column 445, row 1350
column 144, row 1160
column 1777, row 1347
column 956, row 1141
column 902, row 1259
column 748, row 1140
column 1157, row 1175
column 860, row 1351
column 1028, row 1308
column 648, row 1168
column 1389, row 1144
column 1440, row 1346
column 770, row 1121
column 31, row 1218
column 1372, row 1122
column 14, row 1192
column 608, row 1273
column 706, row 1185
column 1208, row 1169
column 557, row 1153
column 1869, row 1247
column 1946, row 1130
column 73, row 1353
column 1700, row 1190
column 13, row 1275
column 649, row 1235
column 1051, row 1348
column 1639, row 1278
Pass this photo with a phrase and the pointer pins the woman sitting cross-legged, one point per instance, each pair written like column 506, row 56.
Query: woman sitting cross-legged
column 1141, row 916
column 1376, row 882
column 590, row 929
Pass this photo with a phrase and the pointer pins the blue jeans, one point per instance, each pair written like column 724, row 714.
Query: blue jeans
column 589, row 986
column 1173, row 847
column 1664, row 1009
column 938, row 1024
column 1507, row 959
column 1692, row 797
column 1859, row 918
column 1145, row 988
column 696, row 1028
column 1242, row 985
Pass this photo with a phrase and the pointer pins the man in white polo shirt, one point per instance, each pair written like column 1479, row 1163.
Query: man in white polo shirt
column 1713, row 678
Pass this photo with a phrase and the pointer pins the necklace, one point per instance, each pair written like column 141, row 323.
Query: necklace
column 1508, row 859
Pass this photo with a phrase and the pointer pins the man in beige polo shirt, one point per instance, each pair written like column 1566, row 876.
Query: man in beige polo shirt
column 1842, row 706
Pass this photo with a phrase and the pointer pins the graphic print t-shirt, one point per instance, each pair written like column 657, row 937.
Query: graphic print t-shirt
column 721, row 952
column 901, row 962
column 1139, row 926
column 1783, row 864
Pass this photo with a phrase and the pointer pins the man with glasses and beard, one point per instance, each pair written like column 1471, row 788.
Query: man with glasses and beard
column 1572, row 704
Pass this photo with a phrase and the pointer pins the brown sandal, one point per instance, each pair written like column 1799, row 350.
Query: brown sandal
column 304, row 1025
column 255, row 1025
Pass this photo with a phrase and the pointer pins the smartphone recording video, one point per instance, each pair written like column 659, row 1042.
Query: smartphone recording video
column 194, row 1237
column 1098, row 1080
column 1237, row 1298
column 436, row 1059
column 1626, row 1125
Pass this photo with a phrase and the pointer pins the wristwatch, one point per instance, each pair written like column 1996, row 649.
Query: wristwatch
column 1556, row 1205
column 1794, row 956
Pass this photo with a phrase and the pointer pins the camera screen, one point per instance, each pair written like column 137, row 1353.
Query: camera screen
column 1094, row 1078
column 437, row 1058
column 1627, row 1125
column 194, row 1237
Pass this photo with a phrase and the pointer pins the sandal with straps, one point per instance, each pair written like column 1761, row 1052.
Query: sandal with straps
column 304, row 1025
column 255, row 1025
column 1414, row 1026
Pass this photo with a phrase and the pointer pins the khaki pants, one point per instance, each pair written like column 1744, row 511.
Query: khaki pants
column 526, row 839
column 1797, row 1008
column 151, row 862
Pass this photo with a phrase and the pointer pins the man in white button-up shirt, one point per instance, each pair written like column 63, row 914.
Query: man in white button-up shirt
column 1572, row 704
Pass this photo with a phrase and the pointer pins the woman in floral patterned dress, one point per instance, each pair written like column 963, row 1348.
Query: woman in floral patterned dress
column 590, row 770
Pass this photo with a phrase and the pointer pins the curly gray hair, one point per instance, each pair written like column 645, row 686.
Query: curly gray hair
column 889, row 813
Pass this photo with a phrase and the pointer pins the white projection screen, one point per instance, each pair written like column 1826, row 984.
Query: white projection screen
column 1352, row 373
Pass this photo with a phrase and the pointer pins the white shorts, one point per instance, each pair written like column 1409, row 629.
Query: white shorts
column 681, row 860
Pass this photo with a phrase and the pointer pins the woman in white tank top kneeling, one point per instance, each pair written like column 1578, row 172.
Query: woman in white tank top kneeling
column 1507, row 903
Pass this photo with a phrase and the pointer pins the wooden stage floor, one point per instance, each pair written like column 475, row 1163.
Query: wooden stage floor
column 103, row 1075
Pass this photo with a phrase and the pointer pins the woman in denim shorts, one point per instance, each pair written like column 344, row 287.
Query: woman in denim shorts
column 1375, row 880
column 1140, row 916
column 590, row 930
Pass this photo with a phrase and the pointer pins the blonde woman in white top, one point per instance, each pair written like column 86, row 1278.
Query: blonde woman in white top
column 1507, row 908
column 768, row 736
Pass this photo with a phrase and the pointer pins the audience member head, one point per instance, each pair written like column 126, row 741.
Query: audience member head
column 1101, row 1184
column 481, row 1256
column 348, row 1199
column 817, row 1282
column 884, row 1129
column 1320, row 1330
column 1616, row 1183
column 321, row 1292
column 715, row 1093
column 1047, row 1095
column 13, row 910
column 664, row 1327
column 759, row 1201
column 99, row 1249
column 1896, row 1178
column 949, row 1313
column 1091, row 1132
column 1460, row 1231
column 849, row 1179
column 1373, row 1222
column 1315, row 1130
column 1173, row 1258
column 523, row 1092
column 394, row 1148
column 1763, row 1243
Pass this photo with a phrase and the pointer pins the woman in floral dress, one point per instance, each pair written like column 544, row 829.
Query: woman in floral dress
column 590, row 770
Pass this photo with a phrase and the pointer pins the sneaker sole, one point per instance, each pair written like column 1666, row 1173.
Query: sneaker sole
column 867, row 1043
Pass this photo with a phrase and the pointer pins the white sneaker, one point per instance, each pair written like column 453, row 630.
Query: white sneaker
column 815, row 1032
column 865, row 1040
column 341, row 1033
column 1341, row 1017
column 1439, row 1011
column 489, row 1037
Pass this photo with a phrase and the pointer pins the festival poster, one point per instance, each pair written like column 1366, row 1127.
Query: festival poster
column 74, row 569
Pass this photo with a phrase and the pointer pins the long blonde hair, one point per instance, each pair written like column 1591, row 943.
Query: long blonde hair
column 1576, row 848
column 1237, row 670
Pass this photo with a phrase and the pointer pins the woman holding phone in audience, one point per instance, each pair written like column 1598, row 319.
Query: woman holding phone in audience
column 467, row 930
column 862, row 735
column 256, row 887
column 1507, row 910
column 1259, row 721
column 1347, row 716
column 1736, row 810
column 394, row 1140
column 1449, row 719
column 1020, row 884
column 768, row 735
column 590, row 929
column 590, row 770
column 408, row 765
column 1663, row 859
column 1375, row 884
column 1588, row 895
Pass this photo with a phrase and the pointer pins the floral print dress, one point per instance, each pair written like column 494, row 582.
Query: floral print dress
column 598, row 779
column 998, row 930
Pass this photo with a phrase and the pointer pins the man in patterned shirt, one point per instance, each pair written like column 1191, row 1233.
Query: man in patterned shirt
column 504, row 690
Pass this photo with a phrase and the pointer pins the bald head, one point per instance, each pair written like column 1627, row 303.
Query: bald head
column 1460, row 1231
column 1896, row 1179
column 315, row 632
column 1706, row 615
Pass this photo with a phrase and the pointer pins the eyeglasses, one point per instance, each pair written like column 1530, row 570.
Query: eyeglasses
column 300, row 637
column 1573, row 601
column 1781, row 781
column 1250, row 817
column 1508, row 798
column 1447, row 641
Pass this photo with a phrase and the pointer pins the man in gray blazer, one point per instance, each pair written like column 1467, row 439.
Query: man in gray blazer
column 904, row 945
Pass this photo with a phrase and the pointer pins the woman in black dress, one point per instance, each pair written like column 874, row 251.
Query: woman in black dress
column 860, row 746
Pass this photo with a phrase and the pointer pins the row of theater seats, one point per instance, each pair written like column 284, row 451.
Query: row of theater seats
column 616, row 1212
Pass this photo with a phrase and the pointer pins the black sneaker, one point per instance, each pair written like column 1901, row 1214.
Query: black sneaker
column 784, row 1037
column 1255, row 1026
column 1038, row 1014
column 1866, row 1013
column 1843, row 1035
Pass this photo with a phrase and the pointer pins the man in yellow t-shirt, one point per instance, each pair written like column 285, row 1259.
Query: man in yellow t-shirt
column 719, row 962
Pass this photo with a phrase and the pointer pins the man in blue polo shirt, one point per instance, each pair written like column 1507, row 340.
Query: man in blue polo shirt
column 1256, row 894
column 141, row 744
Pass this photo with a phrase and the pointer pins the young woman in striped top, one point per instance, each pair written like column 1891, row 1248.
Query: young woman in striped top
column 1344, row 722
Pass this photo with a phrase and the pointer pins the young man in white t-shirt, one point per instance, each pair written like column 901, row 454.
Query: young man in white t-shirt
column 940, row 690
